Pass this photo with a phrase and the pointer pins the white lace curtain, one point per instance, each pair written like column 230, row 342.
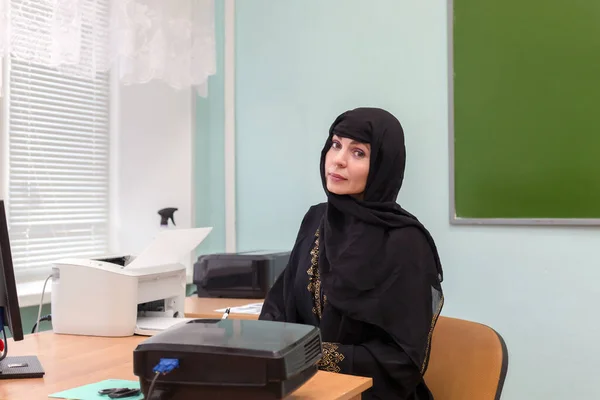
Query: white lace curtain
column 168, row 40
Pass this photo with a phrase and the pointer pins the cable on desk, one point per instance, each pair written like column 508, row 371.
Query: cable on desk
column 152, row 385
column 44, row 318
column 164, row 366
column 36, row 327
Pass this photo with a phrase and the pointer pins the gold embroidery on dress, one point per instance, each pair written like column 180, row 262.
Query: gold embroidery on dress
column 433, row 322
column 314, row 280
column 331, row 358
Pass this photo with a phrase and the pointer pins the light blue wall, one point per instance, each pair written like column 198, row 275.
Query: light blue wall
column 299, row 64
column 209, row 172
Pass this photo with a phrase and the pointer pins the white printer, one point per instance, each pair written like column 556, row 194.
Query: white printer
column 106, row 297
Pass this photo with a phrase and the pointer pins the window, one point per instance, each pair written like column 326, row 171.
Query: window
column 58, row 150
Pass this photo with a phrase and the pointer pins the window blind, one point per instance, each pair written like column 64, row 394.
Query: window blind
column 58, row 181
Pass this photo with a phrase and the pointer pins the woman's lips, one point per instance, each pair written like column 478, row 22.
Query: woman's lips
column 336, row 177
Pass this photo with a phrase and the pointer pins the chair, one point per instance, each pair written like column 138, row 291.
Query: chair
column 468, row 361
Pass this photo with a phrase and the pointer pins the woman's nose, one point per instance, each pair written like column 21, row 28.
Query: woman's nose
column 340, row 158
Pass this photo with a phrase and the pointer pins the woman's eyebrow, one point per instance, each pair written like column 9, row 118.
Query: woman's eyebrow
column 354, row 142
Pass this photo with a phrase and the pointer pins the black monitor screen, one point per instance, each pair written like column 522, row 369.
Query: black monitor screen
column 9, row 300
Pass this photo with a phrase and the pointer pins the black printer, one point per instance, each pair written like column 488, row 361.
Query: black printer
column 247, row 275
column 227, row 359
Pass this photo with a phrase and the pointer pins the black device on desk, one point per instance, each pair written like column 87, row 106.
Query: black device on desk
column 227, row 359
column 10, row 316
column 247, row 275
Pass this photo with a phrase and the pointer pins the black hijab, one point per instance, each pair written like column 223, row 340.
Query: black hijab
column 374, row 256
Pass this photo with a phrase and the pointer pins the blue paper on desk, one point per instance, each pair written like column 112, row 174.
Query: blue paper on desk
column 90, row 392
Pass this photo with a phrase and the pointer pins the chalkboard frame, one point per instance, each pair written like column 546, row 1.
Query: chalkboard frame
column 454, row 219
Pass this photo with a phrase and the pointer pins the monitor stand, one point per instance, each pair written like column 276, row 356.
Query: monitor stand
column 20, row 367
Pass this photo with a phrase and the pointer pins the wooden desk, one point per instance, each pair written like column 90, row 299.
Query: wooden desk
column 200, row 307
column 71, row 361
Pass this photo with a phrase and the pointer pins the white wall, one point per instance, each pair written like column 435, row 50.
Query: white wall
column 155, row 163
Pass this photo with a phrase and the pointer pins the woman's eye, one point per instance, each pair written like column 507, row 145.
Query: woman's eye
column 336, row 145
column 359, row 153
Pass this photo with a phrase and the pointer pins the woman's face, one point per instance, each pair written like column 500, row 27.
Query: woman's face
column 347, row 166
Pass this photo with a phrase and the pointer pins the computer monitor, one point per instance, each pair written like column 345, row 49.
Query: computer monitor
column 10, row 316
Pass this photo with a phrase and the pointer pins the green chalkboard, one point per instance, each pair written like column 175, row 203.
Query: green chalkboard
column 525, row 105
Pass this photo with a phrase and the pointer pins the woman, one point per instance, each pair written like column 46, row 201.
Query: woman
column 363, row 270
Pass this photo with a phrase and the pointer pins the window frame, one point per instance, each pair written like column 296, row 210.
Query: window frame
column 32, row 286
